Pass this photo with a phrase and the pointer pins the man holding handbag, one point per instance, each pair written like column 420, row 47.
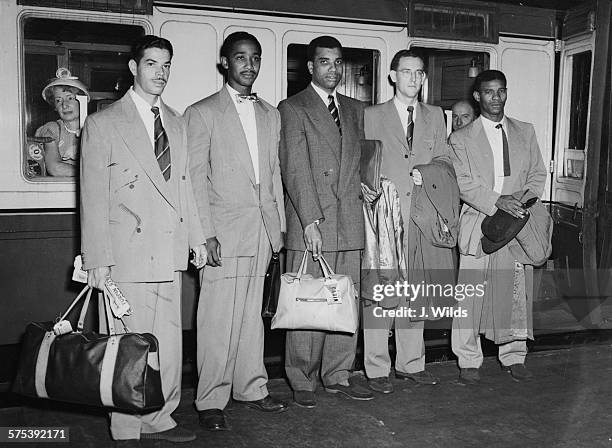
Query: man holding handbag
column 138, row 221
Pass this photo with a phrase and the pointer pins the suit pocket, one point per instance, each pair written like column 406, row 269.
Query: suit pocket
column 134, row 217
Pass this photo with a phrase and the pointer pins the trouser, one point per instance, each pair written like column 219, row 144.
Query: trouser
column 230, row 332
column 332, row 354
column 157, row 310
column 465, row 337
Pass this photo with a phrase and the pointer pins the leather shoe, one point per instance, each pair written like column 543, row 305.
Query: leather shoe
column 176, row 435
column 213, row 420
column 519, row 372
column 352, row 390
column 422, row 377
column 304, row 398
column 381, row 384
column 266, row 404
column 469, row 375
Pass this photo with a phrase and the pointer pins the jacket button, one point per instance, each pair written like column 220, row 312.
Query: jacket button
column 434, row 186
column 181, row 219
column 405, row 156
column 408, row 194
column 132, row 186
column 360, row 196
column 183, row 177
column 138, row 230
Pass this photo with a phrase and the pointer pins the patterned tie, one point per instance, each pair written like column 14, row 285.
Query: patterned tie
column 409, row 128
column 252, row 97
column 333, row 110
column 162, row 145
column 506, row 155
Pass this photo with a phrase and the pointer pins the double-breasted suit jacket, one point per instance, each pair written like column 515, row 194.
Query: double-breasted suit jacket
column 321, row 170
column 131, row 218
column 229, row 200
column 473, row 161
column 382, row 122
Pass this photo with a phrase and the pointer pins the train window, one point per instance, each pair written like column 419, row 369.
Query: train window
column 573, row 166
column 358, row 81
column 70, row 69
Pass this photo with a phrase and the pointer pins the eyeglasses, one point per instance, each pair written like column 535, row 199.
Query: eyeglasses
column 418, row 74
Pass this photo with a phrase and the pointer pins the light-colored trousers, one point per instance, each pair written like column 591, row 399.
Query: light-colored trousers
column 465, row 336
column 230, row 332
column 157, row 310
column 308, row 353
column 409, row 347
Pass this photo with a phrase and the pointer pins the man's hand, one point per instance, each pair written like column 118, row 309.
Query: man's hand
column 511, row 205
column 313, row 240
column 199, row 256
column 97, row 276
column 417, row 177
column 213, row 249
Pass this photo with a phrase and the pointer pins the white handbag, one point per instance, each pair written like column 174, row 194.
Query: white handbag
column 328, row 303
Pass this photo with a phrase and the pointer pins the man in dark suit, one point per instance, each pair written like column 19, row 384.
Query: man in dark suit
column 412, row 133
column 233, row 148
column 498, row 163
column 319, row 154
column 138, row 221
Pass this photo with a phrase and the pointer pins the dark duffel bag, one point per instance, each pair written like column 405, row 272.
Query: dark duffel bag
column 271, row 287
column 116, row 370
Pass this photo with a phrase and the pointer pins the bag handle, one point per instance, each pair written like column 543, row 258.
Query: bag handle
column 325, row 267
column 303, row 265
column 75, row 301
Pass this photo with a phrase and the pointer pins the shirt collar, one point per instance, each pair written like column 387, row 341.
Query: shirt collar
column 491, row 124
column 141, row 103
column 323, row 94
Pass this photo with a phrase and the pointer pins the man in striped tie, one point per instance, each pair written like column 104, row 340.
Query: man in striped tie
column 139, row 220
column 413, row 134
column 319, row 154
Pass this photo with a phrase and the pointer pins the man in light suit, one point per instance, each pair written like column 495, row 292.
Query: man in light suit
column 233, row 147
column 497, row 161
column 412, row 133
column 139, row 219
column 319, row 155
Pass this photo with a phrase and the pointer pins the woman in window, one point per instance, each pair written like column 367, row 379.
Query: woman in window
column 62, row 149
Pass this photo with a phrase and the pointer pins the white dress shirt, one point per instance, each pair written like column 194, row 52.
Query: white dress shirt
column 144, row 110
column 246, row 112
column 402, row 110
column 496, row 141
column 324, row 96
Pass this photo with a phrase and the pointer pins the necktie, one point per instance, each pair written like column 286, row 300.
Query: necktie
column 506, row 155
column 162, row 145
column 252, row 97
column 333, row 110
column 409, row 128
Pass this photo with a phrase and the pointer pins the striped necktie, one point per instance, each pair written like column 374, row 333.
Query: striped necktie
column 409, row 128
column 333, row 110
column 506, row 151
column 162, row 145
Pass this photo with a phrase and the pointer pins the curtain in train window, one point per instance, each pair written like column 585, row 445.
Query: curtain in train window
column 578, row 119
column 358, row 80
column 70, row 69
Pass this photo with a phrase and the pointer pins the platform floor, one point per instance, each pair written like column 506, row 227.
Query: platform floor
column 567, row 404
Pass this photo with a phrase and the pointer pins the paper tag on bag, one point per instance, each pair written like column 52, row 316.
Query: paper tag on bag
column 332, row 286
column 118, row 303
column 78, row 274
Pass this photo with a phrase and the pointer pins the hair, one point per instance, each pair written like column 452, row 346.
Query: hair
column 489, row 75
column 150, row 41
column 321, row 42
column 50, row 97
column 234, row 38
column 468, row 101
column 406, row 54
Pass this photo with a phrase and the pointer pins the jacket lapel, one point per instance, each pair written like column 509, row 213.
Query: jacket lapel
column 351, row 150
column 420, row 125
column 134, row 134
column 263, row 137
column 516, row 144
column 324, row 122
column 394, row 126
column 483, row 153
column 235, row 131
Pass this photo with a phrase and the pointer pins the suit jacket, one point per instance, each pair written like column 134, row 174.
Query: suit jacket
column 229, row 201
column 320, row 170
column 382, row 122
column 131, row 218
column 473, row 160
